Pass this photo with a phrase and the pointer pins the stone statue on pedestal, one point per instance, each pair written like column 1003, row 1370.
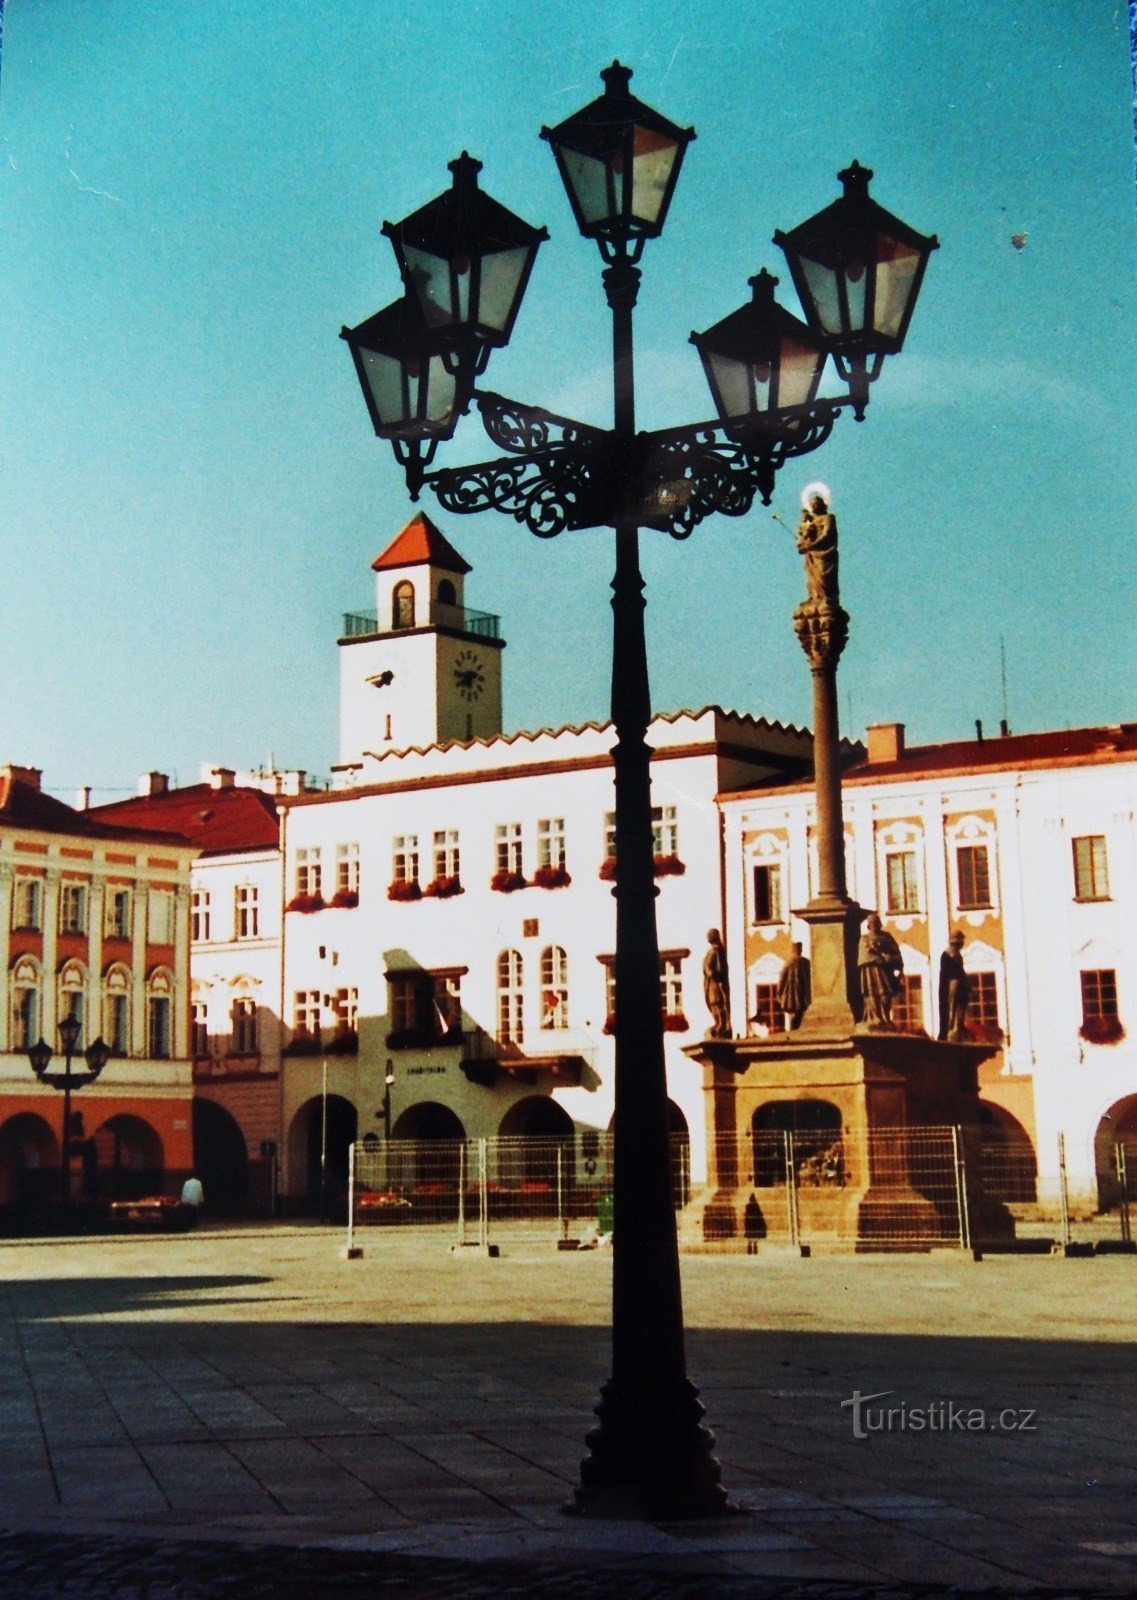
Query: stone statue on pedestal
column 955, row 993
column 716, row 986
column 880, row 966
column 817, row 542
column 794, row 989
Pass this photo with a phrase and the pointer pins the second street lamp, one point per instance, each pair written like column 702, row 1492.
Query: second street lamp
column 96, row 1056
column 650, row 1456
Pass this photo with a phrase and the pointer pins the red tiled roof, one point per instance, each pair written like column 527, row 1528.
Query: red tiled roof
column 1065, row 747
column 419, row 543
column 24, row 806
column 218, row 821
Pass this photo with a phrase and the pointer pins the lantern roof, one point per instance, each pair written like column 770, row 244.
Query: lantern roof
column 463, row 218
column 594, row 127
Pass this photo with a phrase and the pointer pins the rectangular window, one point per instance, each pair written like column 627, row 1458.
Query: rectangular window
column 118, row 1024
column 404, row 858
column 671, row 985
column 27, row 904
column 551, row 842
column 664, row 831
column 767, row 893
column 1091, row 874
column 767, row 1011
column 347, row 869
column 160, row 916
column 246, row 911
column 25, row 1018
column 243, row 1027
column 974, row 874
column 983, row 1002
column 903, row 886
column 309, row 873
column 158, row 1030
column 908, row 1005
column 1099, row 995
column 610, row 835
column 199, row 1031
column 306, row 1017
column 73, row 908
column 199, row 916
column 447, row 862
column 345, row 1017
column 116, row 923
column 426, row 1008
column 507, row 839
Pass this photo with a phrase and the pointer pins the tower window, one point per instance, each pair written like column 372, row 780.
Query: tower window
column 446, row 593
column 403, row 605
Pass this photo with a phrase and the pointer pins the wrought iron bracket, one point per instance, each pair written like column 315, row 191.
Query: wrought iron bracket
column 562, row 475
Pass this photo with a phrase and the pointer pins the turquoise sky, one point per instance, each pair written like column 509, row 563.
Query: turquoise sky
column 190, row 203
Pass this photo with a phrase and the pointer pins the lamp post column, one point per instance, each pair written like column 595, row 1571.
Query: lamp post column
column 649, row 1456
column 65, row 1141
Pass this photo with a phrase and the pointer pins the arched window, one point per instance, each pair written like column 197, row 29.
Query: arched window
column 73, row 999
column 243, row 1017
column 447, row 594
column 554, row 987
column 116, row 1009
column 403, row 605
column 159, row 1014
column 27, row 1009
column 510, row 998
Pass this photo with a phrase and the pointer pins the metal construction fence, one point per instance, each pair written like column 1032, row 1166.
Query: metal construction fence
column 886, row 1189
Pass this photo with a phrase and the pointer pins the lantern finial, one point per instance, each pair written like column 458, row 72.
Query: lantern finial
column 616, row 78
column 856, row 179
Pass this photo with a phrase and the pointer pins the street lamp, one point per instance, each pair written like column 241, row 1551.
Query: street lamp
column 96, row 1056
column 619, row 160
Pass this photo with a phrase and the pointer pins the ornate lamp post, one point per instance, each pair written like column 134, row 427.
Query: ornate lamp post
column 96, row 1056
column 465, row 262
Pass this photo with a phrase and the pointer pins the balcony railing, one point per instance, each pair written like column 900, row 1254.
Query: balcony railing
column 562, row 1053
column 482, row 624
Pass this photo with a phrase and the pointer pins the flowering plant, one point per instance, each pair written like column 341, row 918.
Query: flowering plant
column 306, row 902
column 608, row 869
column 506, row 881
column 550, row 877
column 345, row 898
column 404, row 889
column 675, row 1022
column 443, row 887
column 668, row 867
column 1102, row 1030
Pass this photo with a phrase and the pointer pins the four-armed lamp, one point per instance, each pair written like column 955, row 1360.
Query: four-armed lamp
column 465, row 262
column 96, row 1056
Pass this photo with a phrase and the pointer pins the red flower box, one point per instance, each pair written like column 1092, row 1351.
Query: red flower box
column 675, row 1022
column 443, row 888
column 985, row 1032
column 668, row 867
column 506, row 881
column 610, row 1022
column 345, row 898
column 608, row 869
column 1102, row 1030
column 550, row 877
column 404, row 889
column 306, row 903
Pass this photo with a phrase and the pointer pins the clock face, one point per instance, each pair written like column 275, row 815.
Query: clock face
column 469, row 675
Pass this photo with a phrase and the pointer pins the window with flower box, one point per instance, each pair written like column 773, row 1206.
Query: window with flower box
column 308, row 880
column 200, row 916
column 508, row 873
column 27, row 904
column 306, row 1038
column 1101, row 1018
column 554, row 987
column 246, row 911
column 345, row 1022
column 73, row 907
column 347, row 876
column 1091, row 870
column 404, row 883
column 551, row 871
column 447, row 863
column 425, row 1008
column 670, row 990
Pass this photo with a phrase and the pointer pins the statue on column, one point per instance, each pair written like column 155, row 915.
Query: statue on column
column 794, row 989
column 817, row 542
column 880, row 966
column 955, row 993
column 716, row 986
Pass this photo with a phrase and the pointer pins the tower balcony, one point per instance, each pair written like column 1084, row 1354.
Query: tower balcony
column 480, row 624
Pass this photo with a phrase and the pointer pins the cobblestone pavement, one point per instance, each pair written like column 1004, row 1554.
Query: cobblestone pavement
column 245, row 1412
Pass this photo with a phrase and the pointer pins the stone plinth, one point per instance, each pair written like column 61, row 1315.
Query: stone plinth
column 878, row 1083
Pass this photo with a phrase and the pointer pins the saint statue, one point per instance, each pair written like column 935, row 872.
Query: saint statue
column 955, row 993
column 880, row 966
column 794, row 989
column 716, row 986
column 817, row 542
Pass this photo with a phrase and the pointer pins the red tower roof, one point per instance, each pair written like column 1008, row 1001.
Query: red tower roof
column 419, row 544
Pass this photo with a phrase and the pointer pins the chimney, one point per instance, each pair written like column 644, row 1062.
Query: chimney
column 83, row 798
column 153, row 783
column 27, row 775
column 885, row 742
column 978, row 731
column 222, row 778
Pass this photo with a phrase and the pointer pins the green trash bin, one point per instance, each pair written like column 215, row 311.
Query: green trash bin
column 605, row 1210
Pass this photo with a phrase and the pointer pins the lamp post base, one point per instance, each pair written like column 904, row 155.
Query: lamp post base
column 650, row 1460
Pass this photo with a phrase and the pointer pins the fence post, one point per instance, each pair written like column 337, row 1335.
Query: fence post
column 462, row 1192
column 791, row 1189
column 351, row 1251
column 959, row 1155
column 562, row 1220
column 1122, row 1165
column 1063, row 1192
